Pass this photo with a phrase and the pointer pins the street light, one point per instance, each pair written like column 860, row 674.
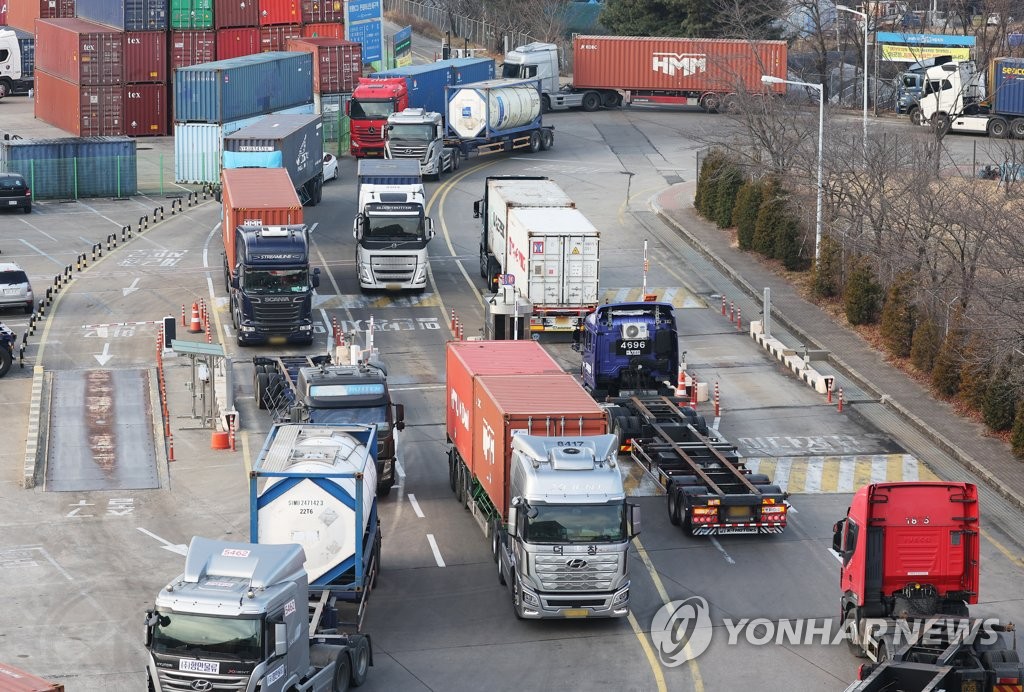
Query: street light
column 769, row 79
column 864, row 15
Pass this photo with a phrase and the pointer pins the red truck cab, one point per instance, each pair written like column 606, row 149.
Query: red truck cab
column 373, row 100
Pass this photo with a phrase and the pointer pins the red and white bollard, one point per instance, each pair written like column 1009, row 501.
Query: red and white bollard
column 840, row 400
column 231, row 432
column 183, row 322
column 452, row 320
column 693, row 391
column 830, row 391
column 723, row 307
column 732, row 311
column 718, row 408
column 739, row 319
column 170, row 448
column 209, row 334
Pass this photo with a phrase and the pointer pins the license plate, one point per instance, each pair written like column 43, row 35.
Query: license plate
column 393, row 287
column 563, row 322
column 11, row 291
column 194, row 666
column 633, row 347
column 738, row 511
column 277, row 340
column 13, row 202
column 576, row 613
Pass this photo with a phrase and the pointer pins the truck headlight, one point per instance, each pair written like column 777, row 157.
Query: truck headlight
column 621, row 597
column 364, row 273
column 421, row 274
column 248, row 328
column 530, row 598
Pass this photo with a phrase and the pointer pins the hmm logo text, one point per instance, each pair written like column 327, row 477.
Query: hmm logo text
column 685, row 64
column 459, row 409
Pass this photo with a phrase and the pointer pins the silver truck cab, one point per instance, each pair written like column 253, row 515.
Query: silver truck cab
column 415, row 133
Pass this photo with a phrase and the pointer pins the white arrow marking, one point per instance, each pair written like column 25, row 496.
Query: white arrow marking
column 180, row 549
column 131, row 289
column 105, row 356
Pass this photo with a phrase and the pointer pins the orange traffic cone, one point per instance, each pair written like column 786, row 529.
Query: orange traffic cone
column 195, row 324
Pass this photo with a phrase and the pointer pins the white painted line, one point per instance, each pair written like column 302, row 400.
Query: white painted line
column 327, row 327
column 437, row 553
column 910, row 468
column 206, row 252
column 879, row 468
column 415, row 506
column 791, row 507
column 728, row 558
column 836, row 555
column 209, row 286
column 180, row 549
column 717, row 422
column 847, row 471
column 815, row 467
column 399, row 470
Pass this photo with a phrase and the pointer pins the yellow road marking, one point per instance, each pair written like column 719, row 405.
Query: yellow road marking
column 924, row 473
column 659, row 677
column 1003, row 549
column 829, row 475
column 861, row 474
column 246, row 454
column 797, row 477
column 894, row 468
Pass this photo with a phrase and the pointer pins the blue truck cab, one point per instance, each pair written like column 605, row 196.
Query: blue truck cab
column 629, row 348
column 272, row 286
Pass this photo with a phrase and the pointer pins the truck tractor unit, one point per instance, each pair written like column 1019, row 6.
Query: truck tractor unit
column 292, row 142
column 415, row 133
column 957, row 98
column 312, row 389
column 17, row 61
column 391, row 229
column 242, row 617
column 611, row 70
column 531, row 460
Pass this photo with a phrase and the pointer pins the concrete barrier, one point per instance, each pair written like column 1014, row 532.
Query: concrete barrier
column 788, row 357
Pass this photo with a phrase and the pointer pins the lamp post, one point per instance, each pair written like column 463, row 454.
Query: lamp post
column 769, row 79
column 864, row 15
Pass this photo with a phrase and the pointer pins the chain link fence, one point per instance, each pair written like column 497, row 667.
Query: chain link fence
column 471, row 29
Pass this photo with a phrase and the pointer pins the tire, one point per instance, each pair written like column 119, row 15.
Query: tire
column 384, row 489
column 545, row 104
column 916, row 118
column 998, row 128
column 495, row 541
column 547, row 139
column 458, row 484
column 451, row 469
column 5, row 89
column 28, row 209
column 29, row 308
column 534, row 142
column 711, row 102
column 5, row 360
column 467, row 489
column 360, row 654
column 262, row 380
column 673, row 505
column 342, row 672
column 493, row 269
column 771, row 490
column 731, row 103
column 483, row 264
column 591, row 101
column 456, row 160
column 850, row 643
column 501, row 574
column 882, row 655
column 759, row 479
column 941, row 123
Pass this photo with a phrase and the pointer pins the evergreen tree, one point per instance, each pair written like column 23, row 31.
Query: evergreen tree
column 1017, row 431
column 729, row 182
column 828, row 268
column 769, row 215
column 788, row 247
column 898, row 316
column 925, row 345
column 862, row 294
column 946, row 370
column 975, row 372
column 707, row 182
column 644, row 17
column 744, row 215
column 999, row 402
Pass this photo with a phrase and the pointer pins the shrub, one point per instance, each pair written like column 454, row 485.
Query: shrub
column 771, row 212
column 744, row 214
column 788, row 247
column 946, row 369
column 898, row 316
column 828, row 268
column 862, row 294
column 924, row 345
column 707, row 181
column 999, row 402
column 1017, row 432
column 975, row 372
column 728, row 184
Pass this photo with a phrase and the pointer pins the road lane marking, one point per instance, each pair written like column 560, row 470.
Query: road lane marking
column 246, row 456
column 416, row 507
column 1003, row 549
column 718, row 546
column 659, row 677
column 437, row 553
column 179, row 548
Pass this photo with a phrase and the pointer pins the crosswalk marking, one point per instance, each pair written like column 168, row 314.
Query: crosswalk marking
column 377, row 301
column 838, row 474
column 679, row 297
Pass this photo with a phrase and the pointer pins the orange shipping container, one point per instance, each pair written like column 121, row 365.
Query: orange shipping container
column 15, row 680
column 22, row 14
column 324, row 30
column 256, row 197
column 84, row 111
column 637, row 63
column 337, row 64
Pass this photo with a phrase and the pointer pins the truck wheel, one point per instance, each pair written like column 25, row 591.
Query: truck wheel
column 493, row 269
column 545, row 104
column 916, row 118
column 1017, row 128
column 5, row 359
column 262, row 380
column 941, row 123
column 759, row 479
column 501, row 574
column 534, row 142
column 384, row 488
column 851, row 642
column 673, row 505
column 517, row 598
column 455, row 160
column 342, row 672
column 882, row 653
column 5, row 88
column 591, row 101
column 998, row 128
column 360, row 659
column 495, row 541
column 547, row 139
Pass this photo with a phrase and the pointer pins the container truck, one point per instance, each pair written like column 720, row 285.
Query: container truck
column 414, row 86
column 17, row 61
column 242, row 616
column 266, row 257
column 611, row 70
column 957, row 99
column 292, row 142
column 391, row 227
column 534, row 239
column 530, row 458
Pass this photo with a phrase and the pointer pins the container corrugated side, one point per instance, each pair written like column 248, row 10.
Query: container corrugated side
column 235, row 43
column 80, row 51
column 235, row 13
column 191, row 14
column 337, row 64
column 280, row 12
column 314, row 11
column 72, row 167
column 299, row 139
column 145, row 56
column 3, row 13
column 1007, row 80
column 146, row 110
column 192, row 47
column 324, row 30
column 275, row 38
column 258, row 196
column 676, row 64
column 128, row 15
column 22, row 14
column 233, row 89
column 83, row 110
column 13, row 679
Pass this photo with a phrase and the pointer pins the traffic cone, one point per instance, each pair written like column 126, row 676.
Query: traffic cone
column 195, row 325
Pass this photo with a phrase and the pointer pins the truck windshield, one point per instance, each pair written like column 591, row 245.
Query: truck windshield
column 207, row 635
column 420, row 132
column 509, row 71
column 575, row 524
column 394, row 227
column 373, row 415
column 371, row 110
column 276, row 281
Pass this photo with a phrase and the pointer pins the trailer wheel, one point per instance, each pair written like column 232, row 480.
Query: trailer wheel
column 467, row 488
column 994, row 657
column 451, row 468
column 360, row 659
column 501, row 573
column 711, row 102
column 941, row 123
column 495, row 541
column 998, row 128
column 458, row 483
column 731, row 103
column 673, row 505
column 342, row 672
column 759, row 479
column 534, row 142
column 591, row 101
column 547, row 139
column 262, row 380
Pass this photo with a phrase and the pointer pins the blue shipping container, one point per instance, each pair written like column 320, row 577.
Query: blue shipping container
column 227, row 90
column 426, row 83
column 1007, row 86
column 127, row 15
column 74, row 167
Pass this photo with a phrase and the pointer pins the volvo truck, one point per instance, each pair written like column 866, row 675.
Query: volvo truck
column 17, row 61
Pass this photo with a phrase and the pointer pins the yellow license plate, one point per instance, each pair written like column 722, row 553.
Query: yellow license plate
column 563, row 322
column 392, row 287
column 738, row 511
column 276, row 340
column 576, row 613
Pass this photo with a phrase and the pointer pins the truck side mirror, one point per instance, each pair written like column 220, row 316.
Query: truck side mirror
column 837, row 535
column 513, row 521
column 280, row 639
column 399, row 417
column 357, row 224
column 150, row 621
column 476, row 208
column 348, row 108
column 634, row 521
column 315, row 279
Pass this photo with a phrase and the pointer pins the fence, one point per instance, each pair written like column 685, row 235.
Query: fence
column 471, row 29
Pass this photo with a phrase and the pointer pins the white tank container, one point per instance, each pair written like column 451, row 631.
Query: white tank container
column 498, row 105
column 318, row 513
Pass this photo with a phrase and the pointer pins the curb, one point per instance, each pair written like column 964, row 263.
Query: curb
column 948, row 447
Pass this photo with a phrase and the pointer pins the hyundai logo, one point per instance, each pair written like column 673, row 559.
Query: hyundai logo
column 201, row 685
column 576, row 563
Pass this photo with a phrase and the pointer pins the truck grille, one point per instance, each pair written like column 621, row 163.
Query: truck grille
column 409, row 152
column 273, row 316
column 389, row 269
column 577, row 573
column 172, row 680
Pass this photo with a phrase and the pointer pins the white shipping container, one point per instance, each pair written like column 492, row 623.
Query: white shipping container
column 494, row 106
column 505, row 194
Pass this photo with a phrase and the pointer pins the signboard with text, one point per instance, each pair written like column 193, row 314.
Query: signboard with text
column 363, row 24
column 403, row 47
column 918, row 53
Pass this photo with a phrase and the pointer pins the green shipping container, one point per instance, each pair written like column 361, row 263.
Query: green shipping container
column 191, row 14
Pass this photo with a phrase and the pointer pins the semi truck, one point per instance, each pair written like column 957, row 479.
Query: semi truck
column 956, row 98
column 609, row 71
column 266, row 257
column 391, row 227
column 530, row 458
column 413, row 86
column 17, row 61
column 292, row 142
column 241, row 616
column 534, row 239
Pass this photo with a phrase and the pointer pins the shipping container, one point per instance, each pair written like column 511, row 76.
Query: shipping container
column 192, row 47
column 145, row 56
column 640, row 63
column 236, row 43
column 228, row 14
column 292, row 142
column 324, row 30
column 12, row 679
column 199, row 147
column 146, row 110
column 275, row 38
column 73, row 167
column 226, row 90
column 258, row 196
column 3, row 12
column 337, row 64
column 191, row 14
column 1006, row 82
column 127, row 15
column 80, row 51
column 426, row 83
column 314, row 11
column 22, row 14
column 83, row 110
column 280, row 12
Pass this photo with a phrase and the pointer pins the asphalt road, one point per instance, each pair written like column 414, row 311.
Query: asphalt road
column 79, row 567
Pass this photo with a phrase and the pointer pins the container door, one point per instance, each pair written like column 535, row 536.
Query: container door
column 545, row 270
column 579, row 280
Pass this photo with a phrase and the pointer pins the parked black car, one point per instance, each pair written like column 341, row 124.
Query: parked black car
column 15, row 192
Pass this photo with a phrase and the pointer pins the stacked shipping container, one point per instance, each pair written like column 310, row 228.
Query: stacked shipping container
column 22, row 14
column 337, row 66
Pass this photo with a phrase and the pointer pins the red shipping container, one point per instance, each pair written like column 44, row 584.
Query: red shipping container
column 324, row 30
column 323, row 11
column 234, row 43
column 337, row 64
column 235, row 13
column 82, row 110
column 192, row 47
column 3, row 12
column 256, row 196
column 80, row 51
column 548, row 405
column 275, row 38
column 637, row 63
column 280, row 12
column 22, row 14
column 145, row 56
column 146, row 110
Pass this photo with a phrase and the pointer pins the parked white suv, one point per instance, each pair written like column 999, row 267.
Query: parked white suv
column 15, row 289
